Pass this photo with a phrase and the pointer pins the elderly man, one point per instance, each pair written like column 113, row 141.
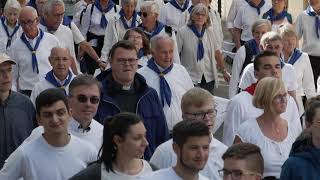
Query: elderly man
column 171, row 80
column 31, row 51
column 60, row 76
column 124, row 90
column 17, row 114
column 197, row 104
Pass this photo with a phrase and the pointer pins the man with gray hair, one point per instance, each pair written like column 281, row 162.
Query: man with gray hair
column 169, row 79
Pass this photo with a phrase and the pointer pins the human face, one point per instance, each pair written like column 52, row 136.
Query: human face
column 11, row 15
column 84, row 111
column 278, row 5
column 128, row 9
column 134, row 143
column 258, row 32
column 206, row 112
column 29, row 23
column 39, row 4
column 54, row 19
column 148, row 18
column 289, row 43
column 269, row 67
column 279, row 102
column 315, row 3
column 163, row 55
column 194, row 153
column 274, row 46
column 205, row 2
column 238, row 169
column 60, row 62
column 54, row 118
column 315, row 126
column 124, row 65
column 136, row 38
column 199, row 19
column 5, row 77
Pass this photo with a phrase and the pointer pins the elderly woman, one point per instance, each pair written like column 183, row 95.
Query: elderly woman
column 124, row 142
column 141, row 42
column 301, row 63
column 246, row 53
column 9, row 27
column 200, row 53
column 126, row 19
column 278, row 14
column 273, row 134
column 93, row 26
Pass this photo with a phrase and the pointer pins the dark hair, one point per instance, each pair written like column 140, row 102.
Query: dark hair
column 125, row 44
column 50, row 96
column 117, row 125
column 145, row 40
column 311, row 111
column 84, row 80
column 257, row 59
column 249, row 152
column 188, row 128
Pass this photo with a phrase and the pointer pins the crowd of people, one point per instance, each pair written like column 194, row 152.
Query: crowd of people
column 109, row 89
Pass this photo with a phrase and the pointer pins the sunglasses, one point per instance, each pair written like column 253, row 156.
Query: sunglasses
column 84, row 99
column 144, row 14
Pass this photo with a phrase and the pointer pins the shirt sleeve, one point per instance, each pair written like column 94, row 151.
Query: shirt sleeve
column 14, row 167
column 238, row 20
column 231, row 15
column 176, row 57
column 308, row 85
column 161, row 157
column 109, row 39
column 238, row 61
column 85, row 23
column 246, row 78
column 77, row 36
column 298, row 24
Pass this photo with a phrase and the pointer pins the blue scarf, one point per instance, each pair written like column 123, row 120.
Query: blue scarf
column 7, row 32
column 258, row 8
column 190, row 9
column 200, row 50
column 33, row 50
column 140, row 53
column 272, row 17
column 103, row 21
column 124, row 22
column 253, row 47
column 157, row 30
column 165, row 91
column 176, row 5
column 66, row 21
column 51, row 79
column 311, row 12
column 295, row 56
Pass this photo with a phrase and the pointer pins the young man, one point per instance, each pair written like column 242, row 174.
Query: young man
column 191, row 142
column 56, row 155
column 242, row 161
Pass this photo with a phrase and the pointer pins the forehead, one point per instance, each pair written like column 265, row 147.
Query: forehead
column 59, row 52
column 269, row 60
column 274, row 43
column 262, row 27
column 234, row 164
column 124, row 53
column 197, row 140
column 5, row 65
column 201, row 106
column 53, row 107
column 89, row 90
column 164, row 43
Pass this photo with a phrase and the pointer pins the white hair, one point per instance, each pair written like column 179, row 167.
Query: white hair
column 151, row 5
column 12, row 4
column 154, row 40
column 49, row 4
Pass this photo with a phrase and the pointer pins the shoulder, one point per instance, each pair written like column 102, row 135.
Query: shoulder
column 248, row 128
column 91, row 172
column 23, row 99
column 219, row 146
column 96, row 125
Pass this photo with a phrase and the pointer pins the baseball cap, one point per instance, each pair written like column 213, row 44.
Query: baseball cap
column 5, row 58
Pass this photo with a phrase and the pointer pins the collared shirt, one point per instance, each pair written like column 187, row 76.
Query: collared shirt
column 4, row 37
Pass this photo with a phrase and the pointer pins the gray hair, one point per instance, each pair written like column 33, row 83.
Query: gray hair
column 261, row 22
column 84, row 80
column 49, row 4
column 154, row 40
column 270, row 36
column 124, row 2
column 151, row 5
column 12, row 4
column 197, row 9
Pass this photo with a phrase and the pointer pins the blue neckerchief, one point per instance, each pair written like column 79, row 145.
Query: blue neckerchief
column 176, row 5
column 51, row 31
column 124, row 22
column 33, row 50
column 140, row 53
column 310, row 12
column 7, row 31
column 190, row 9
column 281, row 59
column 295, row 56
column 66, row 21
column 258, row 8
column 272, row 17
column 165, row 91
column 253, row 47
column 200, row 50
column 104, row 21
column 157, row 30
column 51, row 79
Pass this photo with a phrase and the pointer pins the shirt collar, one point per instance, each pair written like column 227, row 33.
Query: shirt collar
column 58, row 80
column 74, row 125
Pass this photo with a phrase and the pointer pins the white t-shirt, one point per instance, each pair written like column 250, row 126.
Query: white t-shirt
column 116, row 175
column 166, row 174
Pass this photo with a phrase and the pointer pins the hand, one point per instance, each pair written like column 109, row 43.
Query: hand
column 102, row 65
column 226, row 76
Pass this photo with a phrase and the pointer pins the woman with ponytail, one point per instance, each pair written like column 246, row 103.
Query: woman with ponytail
column 124, row 142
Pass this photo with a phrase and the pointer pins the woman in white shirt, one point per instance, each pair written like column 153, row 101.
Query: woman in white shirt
column 273, row 134
column 124, row 142
column 141, row 42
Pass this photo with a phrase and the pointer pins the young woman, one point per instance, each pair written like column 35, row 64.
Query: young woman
column 278, row 14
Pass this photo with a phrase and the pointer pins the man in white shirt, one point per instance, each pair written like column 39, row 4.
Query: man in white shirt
column 31, row 52
column 55, row 155
column 240, row 107
column 191, row 144
column 169, row 79
column 197, row 104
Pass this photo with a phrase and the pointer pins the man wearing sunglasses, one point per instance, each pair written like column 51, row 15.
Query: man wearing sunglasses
column 197, row 104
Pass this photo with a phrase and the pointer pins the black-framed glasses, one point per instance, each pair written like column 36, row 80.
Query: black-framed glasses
column 236, row 174
column 143, row 14
column 124, row 61
column 202, row 115
column 83, row 99
column 28, row 22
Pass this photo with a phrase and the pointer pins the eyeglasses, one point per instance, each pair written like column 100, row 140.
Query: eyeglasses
column 123, row 61
column 143, row 14
column 281, row 98
column 83, row 99
column 28, row 22
column 236, row 174
column 200, row 116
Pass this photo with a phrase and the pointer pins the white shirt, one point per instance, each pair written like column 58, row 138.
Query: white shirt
column 245, row 18
column 160, row 3
column 288, row 76
column 116, row 175
column 165, row 157
column 167, row 174
column 274, row 153
column 233, row 10
column 77, row 36
column 240, row 109
column 79, row 7
column 4, row 37
column 305, row 27
column 38, row 160
column 23, row 72
column 188, row 45
column 179, row 82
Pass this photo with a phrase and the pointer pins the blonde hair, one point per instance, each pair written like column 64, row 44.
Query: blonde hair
column 12, row 4
column 270, row 36
column 266, row 90
column 152, row 6
column 200, row 8
column 195, row 97
column 288, row 30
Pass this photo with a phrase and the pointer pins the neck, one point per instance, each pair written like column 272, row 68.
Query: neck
column 277, row 11
column 151, row 27
column 4, row 96
column 104, row 3
column 32, row 36
column 286, row 55
column 199, row 27
column 185, row 174
column 256, row 2
column 180, row 2
column 82, row 122
column 272, row 117
column 127, row 165
column 57, row 140
column 61, row 77
column 128, row 17
column 12, row 25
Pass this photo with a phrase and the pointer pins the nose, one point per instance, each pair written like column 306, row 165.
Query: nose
column 145, row 142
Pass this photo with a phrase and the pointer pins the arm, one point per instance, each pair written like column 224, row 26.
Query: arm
column 307, row 85
column 220, row 64
column 236, row 36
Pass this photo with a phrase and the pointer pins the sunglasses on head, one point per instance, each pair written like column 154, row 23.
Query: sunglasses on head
column 84, row 99
column 144, row 14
